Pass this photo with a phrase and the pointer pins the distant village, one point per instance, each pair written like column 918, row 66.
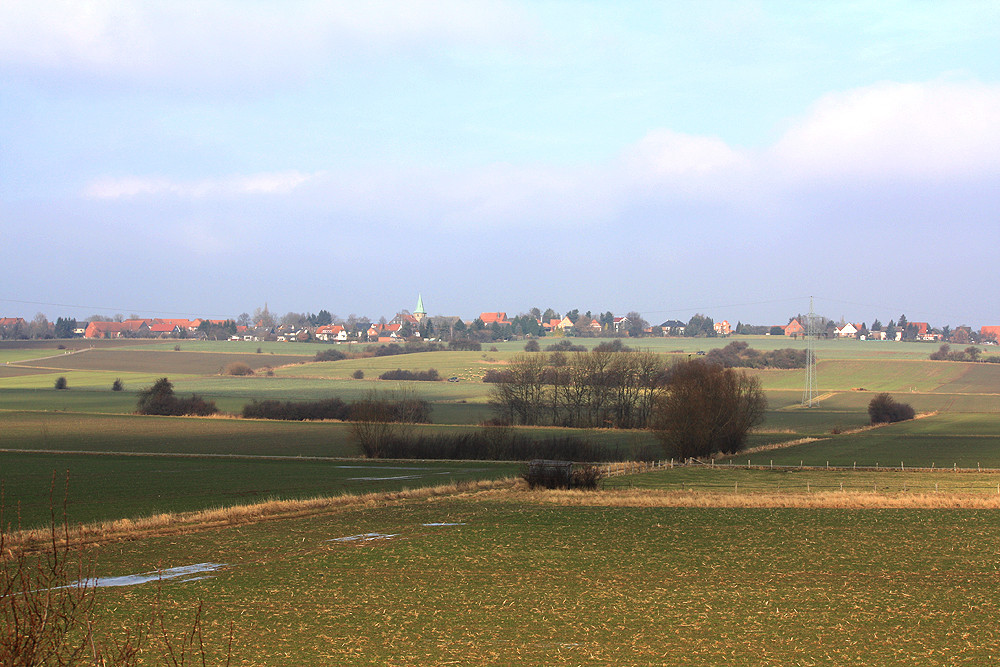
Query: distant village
column 263, row 325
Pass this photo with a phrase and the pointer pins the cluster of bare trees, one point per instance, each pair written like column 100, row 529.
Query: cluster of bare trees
column 600, row 388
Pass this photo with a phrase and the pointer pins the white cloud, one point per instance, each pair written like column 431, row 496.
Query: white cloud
column 221, row 41
column 254, row 184
column 667, row 154
column 938, row 129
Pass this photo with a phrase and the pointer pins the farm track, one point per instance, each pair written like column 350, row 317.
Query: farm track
column 24, row 363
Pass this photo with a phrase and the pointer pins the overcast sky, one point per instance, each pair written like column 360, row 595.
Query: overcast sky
column 731, row 158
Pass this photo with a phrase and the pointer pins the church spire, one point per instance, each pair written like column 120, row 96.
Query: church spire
column 420, row 313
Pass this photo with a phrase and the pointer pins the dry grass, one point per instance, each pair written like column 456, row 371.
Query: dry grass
column 766, row 499
column 772, row 446
column 190, row 522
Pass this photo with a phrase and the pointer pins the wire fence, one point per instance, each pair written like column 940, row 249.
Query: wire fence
column 634, row 467
column 946, row 480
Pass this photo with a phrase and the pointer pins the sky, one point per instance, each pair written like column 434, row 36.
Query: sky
column 731, row 158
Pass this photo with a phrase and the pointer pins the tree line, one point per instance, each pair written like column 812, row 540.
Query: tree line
column 600, row 388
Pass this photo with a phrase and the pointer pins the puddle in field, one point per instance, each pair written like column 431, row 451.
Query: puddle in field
column 183, row 573
column 430, row 525
column 366, row 537
column 369, row 537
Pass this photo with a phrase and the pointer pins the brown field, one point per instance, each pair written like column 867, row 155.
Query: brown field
column 168, row 362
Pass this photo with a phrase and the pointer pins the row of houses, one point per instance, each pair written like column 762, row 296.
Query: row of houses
column 921, row 331
column 147, row 328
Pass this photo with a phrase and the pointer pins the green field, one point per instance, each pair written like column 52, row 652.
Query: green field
column 106, row 487
column 529, row 583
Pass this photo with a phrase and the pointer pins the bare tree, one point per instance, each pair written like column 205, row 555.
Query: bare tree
column 707, row 408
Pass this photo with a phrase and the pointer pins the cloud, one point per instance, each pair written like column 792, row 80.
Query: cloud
column 137, row 186
column 933, row 130
column 228, row 42
column 936, row 140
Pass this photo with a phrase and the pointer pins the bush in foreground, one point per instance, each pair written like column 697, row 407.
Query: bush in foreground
column 48, row 612
column 884, row 409
column 586, row 476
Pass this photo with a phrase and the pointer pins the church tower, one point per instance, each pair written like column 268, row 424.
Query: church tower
column 419, row 313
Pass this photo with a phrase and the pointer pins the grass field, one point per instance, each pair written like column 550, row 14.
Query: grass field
column 529, row 582
column 106, row 487
column 965, row 440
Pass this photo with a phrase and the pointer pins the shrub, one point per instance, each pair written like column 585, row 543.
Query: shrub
column 532, row 346
column 61, row 383
column 565, row 346
column 494, row 375
column 159, row 399
column 430, row 375
column 329, row 408
column 493, row 443
column 586, row 476
column 465, row 346
column 581, row 476
column 330, row 355
column 611, row 346
column 548, row 474
column 237, row 368
column 740, row 355
column 358, row 374
column 884, row 409
column 177, row 348
column 117, row 385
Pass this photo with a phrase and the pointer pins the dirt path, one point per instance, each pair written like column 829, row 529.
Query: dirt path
column 51, row 356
